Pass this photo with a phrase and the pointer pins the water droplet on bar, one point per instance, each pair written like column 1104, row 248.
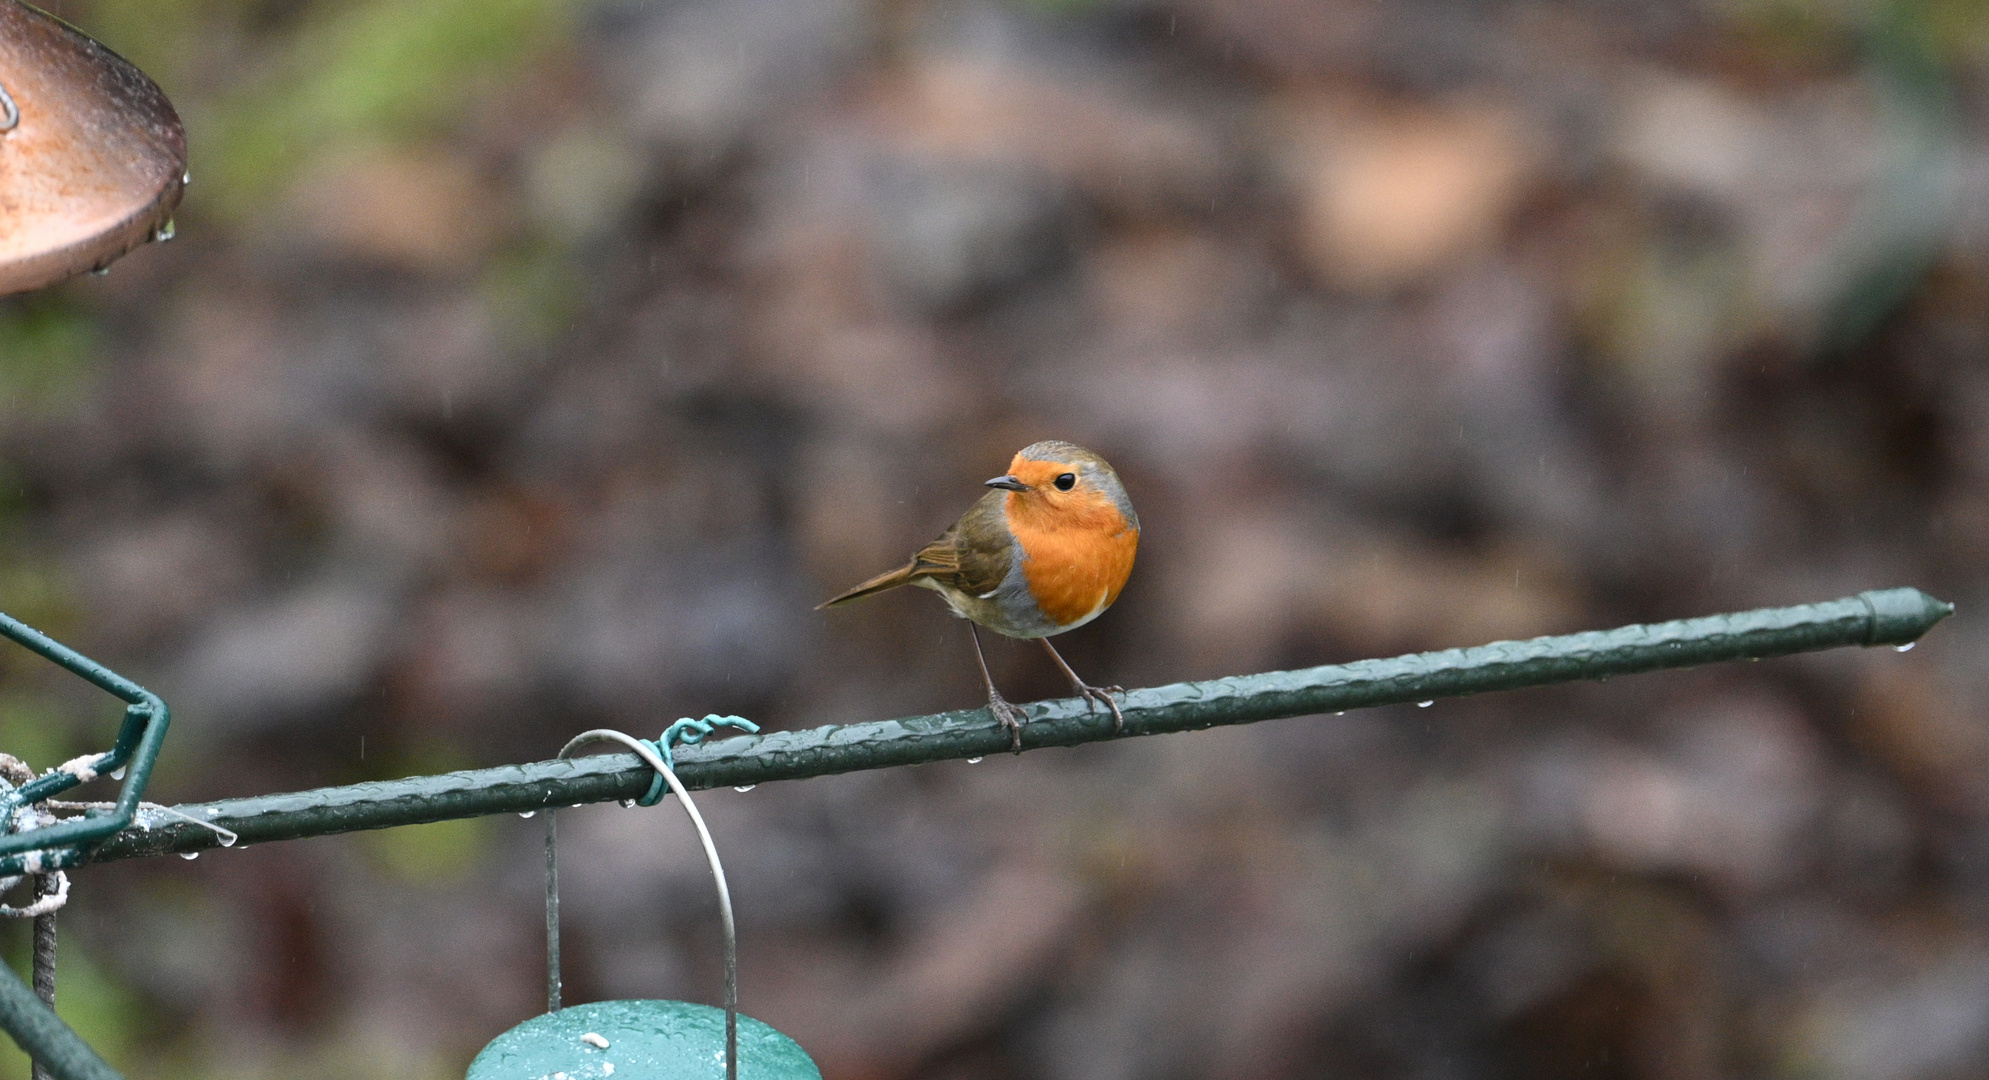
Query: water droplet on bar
column 748, row 787
column 528, row 813
column 1908, row 647
column 189, row 854
column 1424, row 704
column 975, row 760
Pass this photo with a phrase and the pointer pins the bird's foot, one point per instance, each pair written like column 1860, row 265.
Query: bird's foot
column 1010, row 716
column 1102, row 695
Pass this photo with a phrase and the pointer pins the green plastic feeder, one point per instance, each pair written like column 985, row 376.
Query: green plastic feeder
column 643, row 1040
column 638, row 1039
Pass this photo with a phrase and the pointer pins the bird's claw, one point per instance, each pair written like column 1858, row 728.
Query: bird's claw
column 1102, row 695
column 1010, row 716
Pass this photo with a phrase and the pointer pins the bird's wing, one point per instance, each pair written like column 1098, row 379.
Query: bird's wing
column 974, row 555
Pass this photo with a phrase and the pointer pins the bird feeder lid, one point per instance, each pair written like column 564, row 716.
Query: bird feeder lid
column 638, row 1040
column 92, row 155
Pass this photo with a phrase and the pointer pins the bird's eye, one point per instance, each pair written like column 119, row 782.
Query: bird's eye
column 1066, row 482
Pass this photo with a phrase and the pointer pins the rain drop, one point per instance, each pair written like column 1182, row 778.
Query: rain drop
column 1424, row 704
column 164, row 232
column 189, row 854
column 117, row 773
column 974, row 760
column 748, row 787
column 528, row 813
column 628, row 804
column 1908, row 647
column 228, row 839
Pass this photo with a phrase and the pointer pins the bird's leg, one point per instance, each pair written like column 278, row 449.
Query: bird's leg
column 1092, row 695
column 1009, row 715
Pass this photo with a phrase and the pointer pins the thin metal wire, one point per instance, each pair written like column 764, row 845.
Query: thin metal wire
column 552, row 911
column 46, row 885
column 654, row 760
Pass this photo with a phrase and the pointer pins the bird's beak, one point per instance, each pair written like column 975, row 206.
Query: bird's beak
column 1008, row 483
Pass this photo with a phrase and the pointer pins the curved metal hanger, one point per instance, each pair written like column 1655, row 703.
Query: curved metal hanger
column 648, row 753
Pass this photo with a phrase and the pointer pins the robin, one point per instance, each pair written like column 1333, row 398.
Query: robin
column 1047, row 551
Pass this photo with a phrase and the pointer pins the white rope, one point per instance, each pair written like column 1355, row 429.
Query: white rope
column 51, row 902
column 28, row 819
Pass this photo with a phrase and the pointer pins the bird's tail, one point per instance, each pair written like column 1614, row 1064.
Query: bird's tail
column 877, row 584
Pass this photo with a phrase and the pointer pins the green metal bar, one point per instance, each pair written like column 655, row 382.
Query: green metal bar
column 1885, row 617
column 56, row 652
column 44, row 1036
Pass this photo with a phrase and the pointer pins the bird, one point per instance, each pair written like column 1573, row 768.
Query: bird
column 1045, row 552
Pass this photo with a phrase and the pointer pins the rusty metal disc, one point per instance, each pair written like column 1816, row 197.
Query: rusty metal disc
column 92, row 155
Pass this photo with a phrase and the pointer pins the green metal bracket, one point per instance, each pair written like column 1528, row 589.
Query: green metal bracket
column 55, row 1047
column 1884, row 617
column 67, row 843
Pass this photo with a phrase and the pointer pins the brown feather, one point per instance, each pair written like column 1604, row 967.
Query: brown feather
column 888, row 580
column 972, row 556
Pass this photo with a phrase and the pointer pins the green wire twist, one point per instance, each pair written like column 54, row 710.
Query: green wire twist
column 686, row 732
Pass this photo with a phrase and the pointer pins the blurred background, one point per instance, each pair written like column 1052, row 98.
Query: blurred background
column 524, row 366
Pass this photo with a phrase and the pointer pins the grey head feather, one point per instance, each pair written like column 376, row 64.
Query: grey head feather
column 1095, row 470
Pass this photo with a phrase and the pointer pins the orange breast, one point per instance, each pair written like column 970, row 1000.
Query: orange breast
column 1079, row 556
